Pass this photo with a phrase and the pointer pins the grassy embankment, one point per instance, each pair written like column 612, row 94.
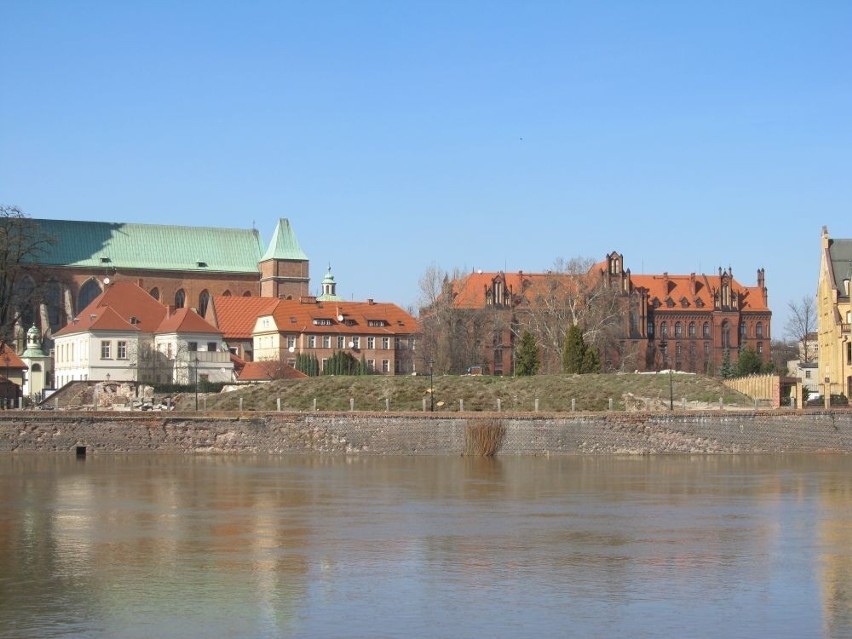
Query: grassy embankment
column 630, row 391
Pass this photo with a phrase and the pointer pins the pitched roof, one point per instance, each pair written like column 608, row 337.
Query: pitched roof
column 268, row 370
column 358, row 318
column 114, row 308
column 185, row 320
column 283, row 245
column 697, row 292
column 236, row 316
column 14, row 362
column 469, row 291
column 150, row 246
column 124, row 306
column 840, row 256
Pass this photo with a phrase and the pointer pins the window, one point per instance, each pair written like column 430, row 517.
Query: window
column 706, row 349
column 743, row 329
column 385, row 366
column 89, row 291
column 664, row 330
column 371, row 343
column 122, row 349
column 678, row 350
column 705, row 330
column 371, row 365
column 341, row 341
column 760, row 348
column 386, row 343
column 291, row 342
column 692, row 329
column 312, row 341
column 105, row 346
column 678, row 329
column 807, row 374
column 212, row 347
column 326, row 341
column 203, row 301
column 192, row 346
column 322, row 321
column 356, row 342
column 180, row 298
column 726, row 334
column 376, row 323
column 759, row 330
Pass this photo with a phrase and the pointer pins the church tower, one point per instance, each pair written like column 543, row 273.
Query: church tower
column 40, row 364
column 284, row 266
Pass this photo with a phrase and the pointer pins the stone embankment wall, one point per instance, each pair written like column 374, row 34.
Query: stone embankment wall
column 416, row 434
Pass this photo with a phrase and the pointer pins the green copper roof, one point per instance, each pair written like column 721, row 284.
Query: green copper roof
column 284, row 245
column 151, row 246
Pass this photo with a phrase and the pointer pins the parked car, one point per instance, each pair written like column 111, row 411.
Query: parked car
column 835, row 400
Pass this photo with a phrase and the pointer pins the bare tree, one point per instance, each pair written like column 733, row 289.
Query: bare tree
column 801, row 324
column 22, row 245
column 572, row 294
column 451, row 338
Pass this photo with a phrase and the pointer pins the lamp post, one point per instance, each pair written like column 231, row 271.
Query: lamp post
column 6, row 359
column 431, row 389
column 196, row 383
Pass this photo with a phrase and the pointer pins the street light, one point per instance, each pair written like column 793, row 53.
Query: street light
column 6, row 359
column 431, row 389
column 196, row 383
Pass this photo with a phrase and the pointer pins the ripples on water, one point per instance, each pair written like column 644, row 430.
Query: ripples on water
column 147, row 546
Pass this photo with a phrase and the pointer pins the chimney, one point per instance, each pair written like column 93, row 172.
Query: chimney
column 760, row 280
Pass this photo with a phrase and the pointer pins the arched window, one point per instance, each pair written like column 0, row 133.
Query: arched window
column 155, row 293
column 664, row 329
column 247, row 294
column 226, row 294
column 692, row 329
column 89, row 291
column 726, row 334
column 706, row 329
column 180, row 298
column 55, row 306
column 35, row 368
column 678, row 330
column 203, row 301
column 759, row 330
column 24, row 289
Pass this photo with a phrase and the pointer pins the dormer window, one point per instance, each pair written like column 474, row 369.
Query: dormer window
column 322, row 321
column 373, row 323
column 201, row 264
column 105, row 260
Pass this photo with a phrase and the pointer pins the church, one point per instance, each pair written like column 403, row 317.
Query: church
column 180, row 266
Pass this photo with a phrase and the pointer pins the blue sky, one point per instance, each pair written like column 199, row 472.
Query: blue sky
column 471, row 135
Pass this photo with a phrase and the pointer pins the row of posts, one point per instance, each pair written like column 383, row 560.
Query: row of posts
column 427, row 405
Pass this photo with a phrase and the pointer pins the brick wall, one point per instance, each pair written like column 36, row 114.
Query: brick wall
column 416, row 434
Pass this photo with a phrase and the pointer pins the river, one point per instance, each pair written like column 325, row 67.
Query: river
column 301, row 546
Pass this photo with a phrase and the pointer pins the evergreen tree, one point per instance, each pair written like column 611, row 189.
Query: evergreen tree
column 527, row 362
column 749, row 363
column 572, row 354
column 726, row 371
column 342, row 363
column 591, row 360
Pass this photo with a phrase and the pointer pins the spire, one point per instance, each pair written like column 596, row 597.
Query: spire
column 284, row 245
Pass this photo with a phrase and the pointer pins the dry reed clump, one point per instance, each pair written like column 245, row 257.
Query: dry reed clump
column 483, row 437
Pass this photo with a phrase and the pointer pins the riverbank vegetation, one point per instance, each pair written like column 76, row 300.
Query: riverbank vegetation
column 552, row 393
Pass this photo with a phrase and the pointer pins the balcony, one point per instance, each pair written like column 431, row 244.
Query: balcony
column 205, row 357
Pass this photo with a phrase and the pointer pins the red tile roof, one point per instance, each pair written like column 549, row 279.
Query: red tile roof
column 358, row 318
column 267, row 370
column 469, row 291
column 185, row 320
column 236, row 316
column 124, row 306
column 697, row 291
column 14, row 362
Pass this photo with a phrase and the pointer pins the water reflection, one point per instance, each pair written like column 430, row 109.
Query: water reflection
column 141, row 546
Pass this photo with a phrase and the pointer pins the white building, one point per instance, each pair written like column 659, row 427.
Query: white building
column 124, row 334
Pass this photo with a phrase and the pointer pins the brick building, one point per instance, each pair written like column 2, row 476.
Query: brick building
column 686, row 322
column 180, row 266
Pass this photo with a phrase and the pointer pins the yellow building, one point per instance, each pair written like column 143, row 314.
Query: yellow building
column 834, row 314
